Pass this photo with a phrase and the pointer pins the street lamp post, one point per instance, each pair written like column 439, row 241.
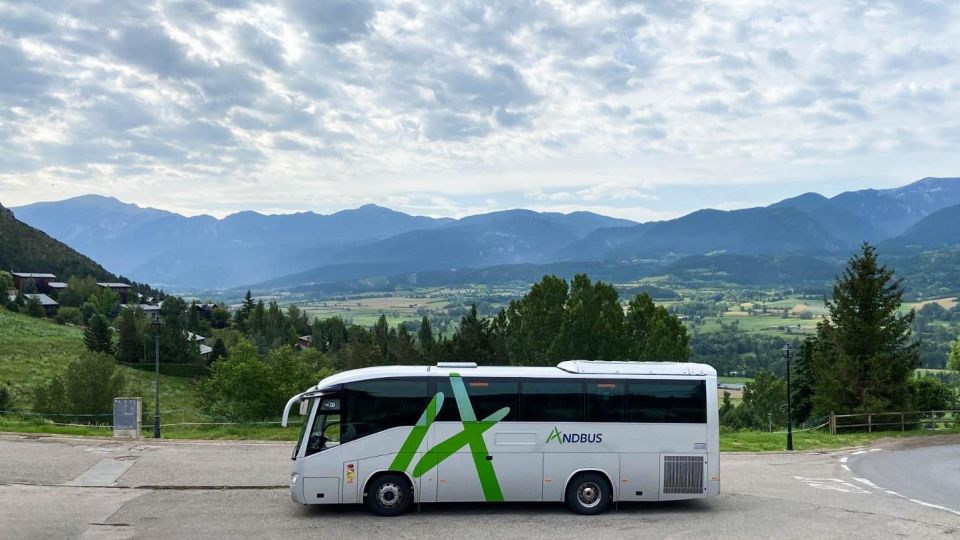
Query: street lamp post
column 788, row 351
column 157, row 323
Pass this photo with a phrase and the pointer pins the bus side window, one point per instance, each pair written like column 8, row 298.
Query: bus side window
column 667, row 401
column 605, row 401
column 378, row 405
column 487, row 396
column 551, row 401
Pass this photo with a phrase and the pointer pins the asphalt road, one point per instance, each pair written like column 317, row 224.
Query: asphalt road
column 926, row 475
column 73, row 488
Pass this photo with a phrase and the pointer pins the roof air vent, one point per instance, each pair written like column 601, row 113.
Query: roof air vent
column 456, row 365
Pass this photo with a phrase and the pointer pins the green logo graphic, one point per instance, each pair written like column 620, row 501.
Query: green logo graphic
column 555, row 435
column 472, row 436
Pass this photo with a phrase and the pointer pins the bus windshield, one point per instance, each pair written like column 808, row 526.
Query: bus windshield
column 325, row 431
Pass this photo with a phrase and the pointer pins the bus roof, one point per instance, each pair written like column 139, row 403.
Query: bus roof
column 570, row 368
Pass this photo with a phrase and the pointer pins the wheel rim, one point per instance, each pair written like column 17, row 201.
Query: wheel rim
column 588, row 494
column 389, row 495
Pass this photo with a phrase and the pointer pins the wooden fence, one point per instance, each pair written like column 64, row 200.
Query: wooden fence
column 892, row 420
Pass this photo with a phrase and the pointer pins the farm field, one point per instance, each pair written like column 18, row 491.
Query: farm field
column 946, row 303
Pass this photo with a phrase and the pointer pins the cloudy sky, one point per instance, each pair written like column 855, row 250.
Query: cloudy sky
column 635, row 109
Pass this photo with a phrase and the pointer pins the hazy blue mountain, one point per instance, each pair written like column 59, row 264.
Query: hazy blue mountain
column 750, row 231
column 892, row 211
column 938, row 230
column 245, row 248
column 507, row 237
column 204, row 252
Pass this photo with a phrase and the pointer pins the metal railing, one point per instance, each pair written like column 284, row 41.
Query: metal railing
column 892, row 421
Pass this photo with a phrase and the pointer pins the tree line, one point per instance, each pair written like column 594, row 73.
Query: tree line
column 862, row 358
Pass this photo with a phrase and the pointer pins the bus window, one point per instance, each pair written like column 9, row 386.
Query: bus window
column 551, row 401
column 667, row 401
column 605, row 401
column 377, row 405
column 487, row 396
column 325, row 433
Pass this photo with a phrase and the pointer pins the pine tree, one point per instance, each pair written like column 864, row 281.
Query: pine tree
column 864, row 355
column 130, row 336
column 97, row 335
column 219, row 351
column 34, row 308
column 248, row 303
column 802, row 381
column 425, row 336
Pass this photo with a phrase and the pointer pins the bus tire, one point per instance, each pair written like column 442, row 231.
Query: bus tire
column 389, row 495
column 589, row 493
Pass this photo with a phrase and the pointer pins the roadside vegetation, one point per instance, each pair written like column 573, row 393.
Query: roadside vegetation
column 60, row 377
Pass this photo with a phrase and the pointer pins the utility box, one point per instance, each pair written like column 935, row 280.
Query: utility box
column 127, row 415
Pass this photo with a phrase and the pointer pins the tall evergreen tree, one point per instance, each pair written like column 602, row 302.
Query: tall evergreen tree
column 470, row 343
column 802, row 381
column 97, row 336
column 193, row 318
column 130, row 336
column 864, row 355
column 219, row 352
column 425, row 336
column 381, row 336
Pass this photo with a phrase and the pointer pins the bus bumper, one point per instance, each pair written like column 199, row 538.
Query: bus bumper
column 296, row 488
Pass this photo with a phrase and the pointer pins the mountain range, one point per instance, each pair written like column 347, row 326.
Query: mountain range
column 285, row 251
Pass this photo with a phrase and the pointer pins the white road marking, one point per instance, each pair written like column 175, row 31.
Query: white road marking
column 832, row 484
column 845, row 467
column 937, row 506
column 866, row 482
column 894, row 493
column 844, row 459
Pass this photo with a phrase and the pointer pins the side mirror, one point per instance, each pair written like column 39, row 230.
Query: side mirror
column 304, row 407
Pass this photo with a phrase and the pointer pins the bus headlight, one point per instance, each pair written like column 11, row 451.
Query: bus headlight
column 293, row 479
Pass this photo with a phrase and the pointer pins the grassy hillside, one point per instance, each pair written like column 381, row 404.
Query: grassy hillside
column 32, row 351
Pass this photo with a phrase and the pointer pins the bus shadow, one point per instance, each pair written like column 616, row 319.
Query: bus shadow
column 518, row 508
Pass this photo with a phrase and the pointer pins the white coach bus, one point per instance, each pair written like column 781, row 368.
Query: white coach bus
column 585, row 432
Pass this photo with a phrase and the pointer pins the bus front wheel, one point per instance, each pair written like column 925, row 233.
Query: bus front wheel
column 589, row 493
column 389, row 495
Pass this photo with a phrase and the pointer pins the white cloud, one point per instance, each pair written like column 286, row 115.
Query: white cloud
column 452, row 107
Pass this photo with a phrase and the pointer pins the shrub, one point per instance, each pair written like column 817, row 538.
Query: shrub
column 92, row 381
column 34, row 308
column 929, row 394
column 6, row 399
column 69, row 315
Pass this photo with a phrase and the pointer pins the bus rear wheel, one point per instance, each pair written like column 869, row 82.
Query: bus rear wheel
column 389, row 495
column 589, row 494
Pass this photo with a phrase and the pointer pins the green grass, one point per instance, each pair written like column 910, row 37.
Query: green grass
column 758, row 441
column 734, row 380
column 32, row 351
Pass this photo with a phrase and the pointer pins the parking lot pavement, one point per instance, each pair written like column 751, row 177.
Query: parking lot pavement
column 166, row 493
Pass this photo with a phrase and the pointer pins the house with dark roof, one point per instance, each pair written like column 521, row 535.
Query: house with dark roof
column 119, row 288
column 50, row 306
column 35, row 281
